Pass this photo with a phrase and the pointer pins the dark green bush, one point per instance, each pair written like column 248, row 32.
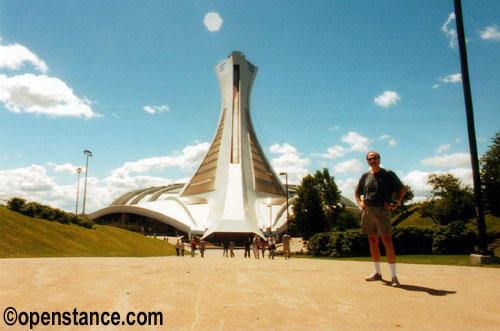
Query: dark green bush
column 338, row 244
column 355, row 243
column 16, row 204
column 35, row 209
column 413, row 240
column 455, row 238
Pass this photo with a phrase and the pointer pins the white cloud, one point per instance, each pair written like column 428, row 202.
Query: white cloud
column 290, row 162
column 490, row 33
column 285, row 149
column 33, row 183
column 357, row 142
column 213, row 22
column 15, row 56
column 156, row 109
column 448, row 160
column 333, row 152
column 190, row 157
column 442, row 148
column 42, row 95
column 351, row 166
column 417, row 180
column 335, row 128
column 391, row 142
column 450, row 32
column 387, row 99
column 347, row 187
column 67, row 168
column 455, row 78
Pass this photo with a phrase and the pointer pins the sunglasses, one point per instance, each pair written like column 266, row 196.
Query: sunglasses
column 372, row 158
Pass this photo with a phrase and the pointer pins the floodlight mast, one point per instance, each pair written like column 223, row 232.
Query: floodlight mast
column 89, row 154
column 286, row 190
column 78, row 171
column 481, row 227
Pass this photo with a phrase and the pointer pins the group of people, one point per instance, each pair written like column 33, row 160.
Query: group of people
column 179, row 247
column 258, row 245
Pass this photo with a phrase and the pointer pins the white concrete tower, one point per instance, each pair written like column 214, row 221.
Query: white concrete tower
column 235, row 175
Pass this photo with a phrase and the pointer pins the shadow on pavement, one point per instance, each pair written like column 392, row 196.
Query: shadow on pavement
column 416, row 288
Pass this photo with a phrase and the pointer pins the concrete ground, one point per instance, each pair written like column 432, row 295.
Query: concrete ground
column 216, row 293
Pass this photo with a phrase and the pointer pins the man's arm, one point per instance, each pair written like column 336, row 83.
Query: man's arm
column 360, row 203
column 401, row 195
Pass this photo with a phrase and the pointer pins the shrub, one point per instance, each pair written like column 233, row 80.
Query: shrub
column 455, row 238
column 339, row 244
column 35, row 209
column 413, row 240
column 318, row 243
column 355, row 243
column 16, row 204
column 85, row 222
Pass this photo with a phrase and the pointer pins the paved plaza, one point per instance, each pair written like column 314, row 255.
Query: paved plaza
column 217, row 293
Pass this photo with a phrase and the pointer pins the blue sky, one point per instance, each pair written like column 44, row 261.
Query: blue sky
column 134, row 82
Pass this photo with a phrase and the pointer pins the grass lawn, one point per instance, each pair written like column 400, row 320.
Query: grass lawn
column 23, row 236
column 458, row 260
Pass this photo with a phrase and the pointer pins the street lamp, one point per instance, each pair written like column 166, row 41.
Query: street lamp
column 89, row 154
column 270, row 217
column 286, row 189
column 78, row 171
column 476, row 177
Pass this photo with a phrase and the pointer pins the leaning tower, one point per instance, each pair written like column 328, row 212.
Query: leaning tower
column 235, row 175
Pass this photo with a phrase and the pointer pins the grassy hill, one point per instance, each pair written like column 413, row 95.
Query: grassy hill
column 23, row 236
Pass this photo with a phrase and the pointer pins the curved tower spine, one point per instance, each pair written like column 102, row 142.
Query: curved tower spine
column 235, row 173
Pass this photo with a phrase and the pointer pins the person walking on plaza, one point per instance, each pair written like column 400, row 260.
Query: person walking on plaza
column 231, row 248
column 178, row 246
column 203, row 246
column 193, row 247
column 286, row 245
column 377, row 186
column 263, row 247
column 225, row 247
column 256, row 246
column 272, row 246
column 247, row 245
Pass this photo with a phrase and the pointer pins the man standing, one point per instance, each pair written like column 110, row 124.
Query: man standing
column 203, row 246
column 286, row 245
column 377, row 186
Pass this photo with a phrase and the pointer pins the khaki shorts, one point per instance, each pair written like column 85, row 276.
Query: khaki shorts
column 376, row 220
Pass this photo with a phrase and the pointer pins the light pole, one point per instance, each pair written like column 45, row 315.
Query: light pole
column 476, row 178
column 89, row 154
column 286, row 190
column 78, row 171
column 270, row 217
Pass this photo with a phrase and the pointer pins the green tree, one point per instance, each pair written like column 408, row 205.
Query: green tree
column 450, row 200
column 16, row 204
column 317, row 206
column 490, row 177
column 408, row 197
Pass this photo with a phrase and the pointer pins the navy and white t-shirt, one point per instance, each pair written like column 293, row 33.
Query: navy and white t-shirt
column 377, row 188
